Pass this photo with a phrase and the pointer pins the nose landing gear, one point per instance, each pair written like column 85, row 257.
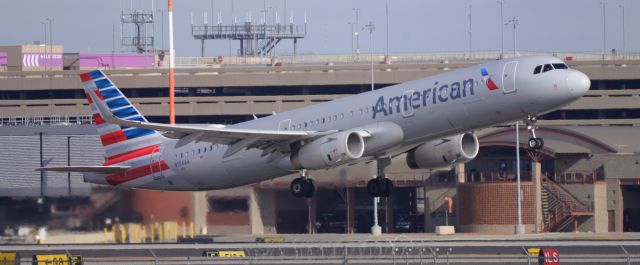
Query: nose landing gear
column 380, row 186
column 534, row 142
column 303, row 186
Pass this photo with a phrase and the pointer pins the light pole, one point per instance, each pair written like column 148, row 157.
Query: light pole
column 519, row 227
column 604, row 29
column 501, row 2
column 624, row 51
column 50, row 42
column 371, row 27
column 357, row 10
column 515, row 22
column 469, row 31
column 44, row 24
column 351, row 24
column 386, row 57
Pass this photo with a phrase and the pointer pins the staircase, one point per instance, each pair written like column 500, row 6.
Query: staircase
column 559, row 208
column 268, row 45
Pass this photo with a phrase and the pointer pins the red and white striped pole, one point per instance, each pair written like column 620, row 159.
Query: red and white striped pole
column 172, row 87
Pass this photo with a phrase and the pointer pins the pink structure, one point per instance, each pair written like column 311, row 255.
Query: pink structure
column 95, row 60
column 3, row 58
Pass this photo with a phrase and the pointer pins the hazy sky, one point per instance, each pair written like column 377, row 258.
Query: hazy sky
column 415, row 25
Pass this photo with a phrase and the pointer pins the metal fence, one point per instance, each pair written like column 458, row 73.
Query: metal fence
column 45, row 120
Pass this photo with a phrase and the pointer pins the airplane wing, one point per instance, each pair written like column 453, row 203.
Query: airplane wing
column 267, row 140
column 92, row 169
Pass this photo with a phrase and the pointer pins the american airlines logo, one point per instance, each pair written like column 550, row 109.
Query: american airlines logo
column 419, row 99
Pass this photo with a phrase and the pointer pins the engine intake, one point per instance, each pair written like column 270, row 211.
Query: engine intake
column 331, row 150
column 444, row 152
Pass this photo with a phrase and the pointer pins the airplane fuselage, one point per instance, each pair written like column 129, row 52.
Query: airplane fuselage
column 442, row 105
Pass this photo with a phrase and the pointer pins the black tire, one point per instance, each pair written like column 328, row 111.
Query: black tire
column 374, row 187
column 540, row 143
column 311, row 188
column 388, row 187
column 299, row 187
column 532, row 143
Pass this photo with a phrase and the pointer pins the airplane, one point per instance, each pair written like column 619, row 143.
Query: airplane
column 431, row 119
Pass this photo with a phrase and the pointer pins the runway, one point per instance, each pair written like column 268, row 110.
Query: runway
column 361, row 249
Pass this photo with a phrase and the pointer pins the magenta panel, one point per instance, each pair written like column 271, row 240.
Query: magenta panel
column 116, row 60
column 3, row 58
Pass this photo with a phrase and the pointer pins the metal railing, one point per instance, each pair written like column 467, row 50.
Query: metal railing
column 45, row 120
column 381, row 252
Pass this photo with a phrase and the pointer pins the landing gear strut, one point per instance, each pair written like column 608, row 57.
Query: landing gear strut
column 303, row 187
column 380, row 186
column 534, row 142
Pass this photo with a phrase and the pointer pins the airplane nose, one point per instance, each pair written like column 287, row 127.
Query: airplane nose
column 578, row 83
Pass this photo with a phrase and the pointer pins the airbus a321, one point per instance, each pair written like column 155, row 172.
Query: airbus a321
column 431, row 120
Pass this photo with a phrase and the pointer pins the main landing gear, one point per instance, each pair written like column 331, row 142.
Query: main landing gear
column 380, row 186
column 534, row 142
column 303, row 187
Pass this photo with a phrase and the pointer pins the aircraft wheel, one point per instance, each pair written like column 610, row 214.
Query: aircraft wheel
column 532, row 143
column 311, row 188
column 540, row 143
column 300, row 187
column 388, row 187
column 375, row 187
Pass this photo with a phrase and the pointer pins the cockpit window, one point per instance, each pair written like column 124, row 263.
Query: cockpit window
column 537, row 69
column 547, row 67
column 560, row 66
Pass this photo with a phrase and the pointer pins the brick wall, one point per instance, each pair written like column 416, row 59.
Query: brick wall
column 494, row 203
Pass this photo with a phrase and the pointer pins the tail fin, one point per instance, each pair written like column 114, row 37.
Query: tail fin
column 120, row 143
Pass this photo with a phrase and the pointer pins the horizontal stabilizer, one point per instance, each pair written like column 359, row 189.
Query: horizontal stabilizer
column 92, row 169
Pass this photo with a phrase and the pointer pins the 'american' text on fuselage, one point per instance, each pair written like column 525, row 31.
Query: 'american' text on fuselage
column 419, row 99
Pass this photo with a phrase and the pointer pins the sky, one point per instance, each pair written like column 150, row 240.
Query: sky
column 414, row 25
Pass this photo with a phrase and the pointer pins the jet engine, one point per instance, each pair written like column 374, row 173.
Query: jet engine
column 444, row 152
column 334, row 149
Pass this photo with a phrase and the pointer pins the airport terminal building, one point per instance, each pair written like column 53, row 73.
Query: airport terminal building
column 584, row 179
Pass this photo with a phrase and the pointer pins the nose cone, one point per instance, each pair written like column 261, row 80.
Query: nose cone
column 578, row 83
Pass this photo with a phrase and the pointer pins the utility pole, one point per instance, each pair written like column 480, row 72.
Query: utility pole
column 357, row 10
column 515, row 22
column 371, row 27
column 501, row 2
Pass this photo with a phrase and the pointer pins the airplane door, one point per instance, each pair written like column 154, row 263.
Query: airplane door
column 156, row 167
column 509, row 77
column 284, row 125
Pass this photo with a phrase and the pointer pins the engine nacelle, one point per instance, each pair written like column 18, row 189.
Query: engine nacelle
column 330, row 150
column 444, row 152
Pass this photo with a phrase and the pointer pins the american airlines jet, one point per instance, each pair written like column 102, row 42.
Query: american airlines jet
column 431, row 120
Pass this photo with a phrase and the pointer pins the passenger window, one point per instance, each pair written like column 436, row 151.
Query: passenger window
column 560, row 66
column 537, row 70
column 547, row 67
